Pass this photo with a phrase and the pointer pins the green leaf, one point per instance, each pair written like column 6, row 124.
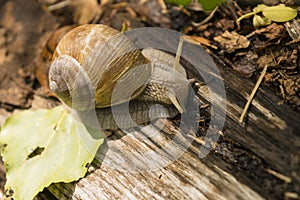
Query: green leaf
column 43, row 147
column 209, row 5
column 260, row 8
column 180, row 2
column 280, row 13
column 257, row 9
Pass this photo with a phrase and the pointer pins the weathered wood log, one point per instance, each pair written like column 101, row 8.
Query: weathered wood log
column 234, row 169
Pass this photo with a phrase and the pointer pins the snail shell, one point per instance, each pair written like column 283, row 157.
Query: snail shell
column 92, row 60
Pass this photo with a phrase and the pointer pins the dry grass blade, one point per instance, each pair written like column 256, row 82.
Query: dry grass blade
column 279, row 176
column 209, row 17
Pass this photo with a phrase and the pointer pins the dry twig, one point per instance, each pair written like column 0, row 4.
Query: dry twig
column 279, row 176
column 253, row 93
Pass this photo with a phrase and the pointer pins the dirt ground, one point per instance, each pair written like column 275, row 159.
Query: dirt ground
column 30, row 30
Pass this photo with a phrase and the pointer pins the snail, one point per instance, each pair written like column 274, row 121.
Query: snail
column 95, row 67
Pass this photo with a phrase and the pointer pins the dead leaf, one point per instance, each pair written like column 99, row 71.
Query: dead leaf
column 152, row 10
column 232, row 41
column 290, row 86
column 203, row 41
column 246, row 63
column 227, row 24
column 266, row 60
column 84, row 10
column 246, row 69
column 273, row 31
column 23, row 24
column 44, row 60
column 15, row 96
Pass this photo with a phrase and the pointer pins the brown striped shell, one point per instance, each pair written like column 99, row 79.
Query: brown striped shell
column 88, row 62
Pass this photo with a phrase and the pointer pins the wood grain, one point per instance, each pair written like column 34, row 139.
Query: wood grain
column 270, row 137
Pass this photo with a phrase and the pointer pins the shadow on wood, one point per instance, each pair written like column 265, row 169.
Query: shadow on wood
column 234, row 169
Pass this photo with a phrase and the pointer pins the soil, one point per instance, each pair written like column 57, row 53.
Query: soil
column 29, row 33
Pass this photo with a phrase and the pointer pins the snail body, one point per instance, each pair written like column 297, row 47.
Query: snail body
column 96, row 67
